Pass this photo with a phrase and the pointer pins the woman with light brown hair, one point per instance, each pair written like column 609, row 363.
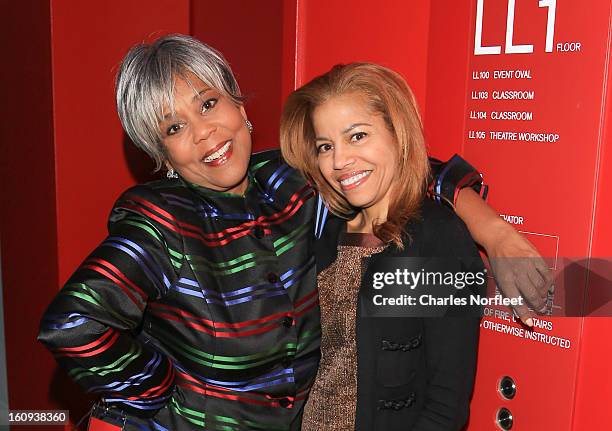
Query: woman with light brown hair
column 386, row 93
column 355, row 132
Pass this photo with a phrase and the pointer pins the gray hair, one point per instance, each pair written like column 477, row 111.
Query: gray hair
column 145, row 85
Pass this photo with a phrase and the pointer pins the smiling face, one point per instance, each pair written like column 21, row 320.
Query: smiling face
column 206, row 138
column 357, row 154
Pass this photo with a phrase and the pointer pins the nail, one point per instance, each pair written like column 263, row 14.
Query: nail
column 529, row 322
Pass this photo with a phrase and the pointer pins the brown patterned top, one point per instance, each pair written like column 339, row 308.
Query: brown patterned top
column 333, row 397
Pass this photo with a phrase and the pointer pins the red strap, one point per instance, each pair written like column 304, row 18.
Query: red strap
column 96, row 424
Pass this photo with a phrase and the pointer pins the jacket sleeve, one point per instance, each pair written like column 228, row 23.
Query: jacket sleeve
column 448, row 178
column 92, row 325
column 451, row 343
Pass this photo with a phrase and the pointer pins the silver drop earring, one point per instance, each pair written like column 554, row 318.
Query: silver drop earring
column 249, row 126
column 171, row 174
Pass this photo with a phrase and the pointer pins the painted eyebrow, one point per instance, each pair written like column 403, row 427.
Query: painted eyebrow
column 193, row 99
column 344, row 132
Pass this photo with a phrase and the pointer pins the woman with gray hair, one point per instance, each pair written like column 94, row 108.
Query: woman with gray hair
column 200, row 308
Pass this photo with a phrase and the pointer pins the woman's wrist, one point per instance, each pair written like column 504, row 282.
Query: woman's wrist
column 485, row 226
column 495, row 231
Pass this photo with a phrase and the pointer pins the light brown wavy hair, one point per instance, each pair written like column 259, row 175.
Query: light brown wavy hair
column 388, row 95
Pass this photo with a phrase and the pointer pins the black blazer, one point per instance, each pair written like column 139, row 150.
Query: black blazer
column 414, row 373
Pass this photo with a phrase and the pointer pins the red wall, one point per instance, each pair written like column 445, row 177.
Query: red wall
column 560, row 190
column 594, row 377
column 447, row 64
column 28, row 218
column 65, row 160
column 394, row 35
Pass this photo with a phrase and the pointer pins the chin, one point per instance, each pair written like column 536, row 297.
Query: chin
column 235, row 180
column 360, row 203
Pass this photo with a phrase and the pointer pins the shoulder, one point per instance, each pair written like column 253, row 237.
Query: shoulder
column 270, row 170
column 440, row 231
column 265, row 157
column 151, row 192
column 149, row 202
column 434, row 217
column 434, row 213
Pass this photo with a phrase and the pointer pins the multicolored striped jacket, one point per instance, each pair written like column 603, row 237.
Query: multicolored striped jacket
column 200, row 308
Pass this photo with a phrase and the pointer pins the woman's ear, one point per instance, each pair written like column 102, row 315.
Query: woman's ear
column 243, row 112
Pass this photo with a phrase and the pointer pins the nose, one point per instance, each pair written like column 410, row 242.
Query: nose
column 342, row 156
column 203, row 129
